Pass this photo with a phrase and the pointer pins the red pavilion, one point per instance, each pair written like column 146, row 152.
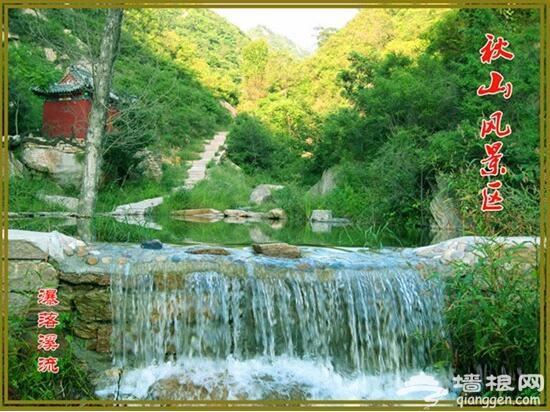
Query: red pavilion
column 68, row 104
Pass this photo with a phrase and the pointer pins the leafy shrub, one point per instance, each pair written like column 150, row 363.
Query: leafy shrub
column 521, row 204
column 343, row 136
column 250, row 144
column 295, row 202
column 492, row 312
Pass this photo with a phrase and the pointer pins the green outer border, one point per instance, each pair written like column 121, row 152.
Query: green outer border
column 5, row 404
column 4, row 210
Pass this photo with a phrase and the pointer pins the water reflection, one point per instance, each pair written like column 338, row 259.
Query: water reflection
column 107, row 229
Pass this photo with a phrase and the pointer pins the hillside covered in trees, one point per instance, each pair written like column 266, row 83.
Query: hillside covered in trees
column 388, row 103
column 167, row 64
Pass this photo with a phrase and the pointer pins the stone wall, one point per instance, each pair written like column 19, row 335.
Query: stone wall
column 84, row 299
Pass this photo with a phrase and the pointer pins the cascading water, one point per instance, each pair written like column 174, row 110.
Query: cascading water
column 333, row 325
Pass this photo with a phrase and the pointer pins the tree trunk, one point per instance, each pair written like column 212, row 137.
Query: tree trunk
column 103, row 73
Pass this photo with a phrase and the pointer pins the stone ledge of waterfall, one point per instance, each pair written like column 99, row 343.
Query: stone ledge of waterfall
column 100, row 279
column 464, row 248
column 277, row 250
column 96, row 261
column 208, row 251
column 53, row 244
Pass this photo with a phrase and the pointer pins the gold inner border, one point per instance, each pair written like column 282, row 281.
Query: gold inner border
column 542, row 5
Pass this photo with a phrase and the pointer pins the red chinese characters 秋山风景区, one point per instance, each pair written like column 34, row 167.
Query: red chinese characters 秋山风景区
column 494, row 126
column 496, row 86
column 494, row 48
column 492, row 161
column 492, row 200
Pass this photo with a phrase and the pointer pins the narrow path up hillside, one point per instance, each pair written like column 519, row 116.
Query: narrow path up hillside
column 195, row 174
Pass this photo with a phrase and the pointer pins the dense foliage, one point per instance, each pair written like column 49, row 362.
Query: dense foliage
column 389, row 101
column 26, row 383
column 250, row 144
column 276, row 42
column 493, row 307
column 409, row 116
column 195, row 40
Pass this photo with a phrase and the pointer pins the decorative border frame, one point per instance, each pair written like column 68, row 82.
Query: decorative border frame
column 544, row 269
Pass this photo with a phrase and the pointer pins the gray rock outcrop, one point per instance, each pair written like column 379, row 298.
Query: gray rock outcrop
column 15, row 167
column 263, row 193
column 149, row 165
column 63, row 161
column 447, row 223
column 326, row 184
column 69, row 203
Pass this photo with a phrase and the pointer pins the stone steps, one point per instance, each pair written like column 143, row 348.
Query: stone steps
column 195, row 174
column 197, row 171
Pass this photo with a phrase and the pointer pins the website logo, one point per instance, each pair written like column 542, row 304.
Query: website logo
column 424, row 383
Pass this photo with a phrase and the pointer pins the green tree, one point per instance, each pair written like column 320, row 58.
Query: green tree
column 254, row 61
column 250, row 144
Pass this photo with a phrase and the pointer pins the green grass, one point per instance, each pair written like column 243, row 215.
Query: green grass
column 43, row 224
column 107, row 229
column 225, row 188
column 114, row 195
column 192, row 149
column 492, row 312
column 26, row 383
column 23, row 193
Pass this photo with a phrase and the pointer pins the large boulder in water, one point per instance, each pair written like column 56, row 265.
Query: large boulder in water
column 321, row 216
column 277, row 250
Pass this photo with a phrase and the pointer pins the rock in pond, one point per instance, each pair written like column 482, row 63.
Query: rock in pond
column 151, row 244
column 321, row 216
column 194, row 212
column 276, row 214
column 277, row 250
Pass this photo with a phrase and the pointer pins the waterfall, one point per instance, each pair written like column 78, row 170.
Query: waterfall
column 353, row 321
